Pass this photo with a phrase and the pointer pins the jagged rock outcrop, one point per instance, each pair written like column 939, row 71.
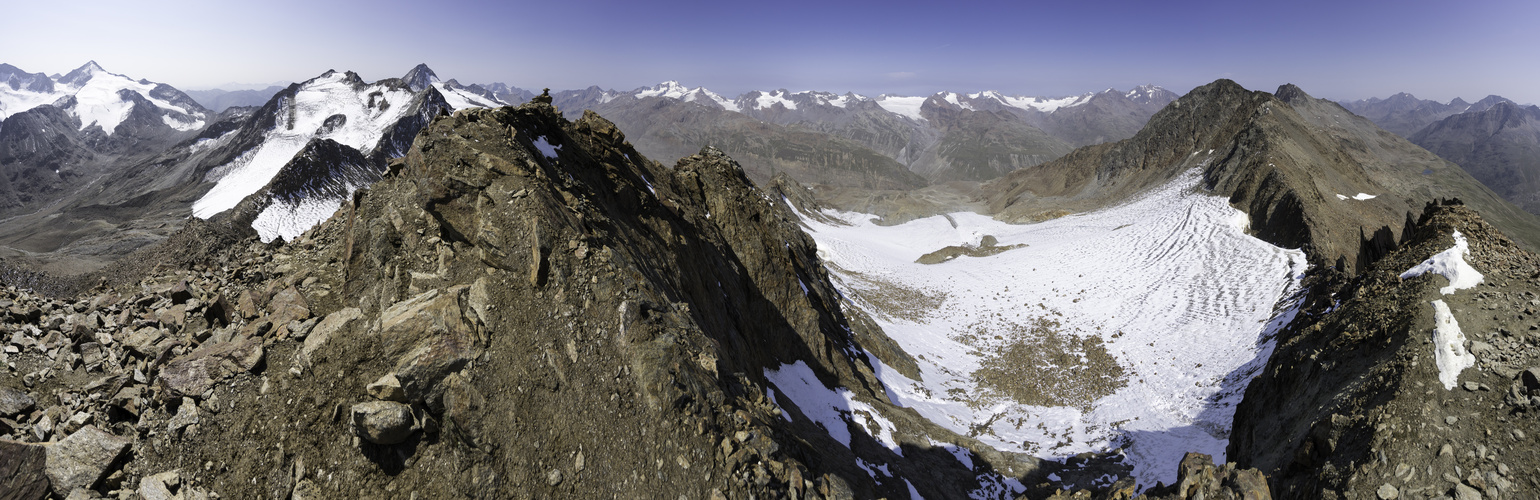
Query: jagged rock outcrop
column 1362, row 398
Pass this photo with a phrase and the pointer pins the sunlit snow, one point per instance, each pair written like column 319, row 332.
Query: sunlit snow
column 908, row 107
column 97, row 101
column 1359, row 196
column 290, row 221
column 1449, row 346
column 1180, row 296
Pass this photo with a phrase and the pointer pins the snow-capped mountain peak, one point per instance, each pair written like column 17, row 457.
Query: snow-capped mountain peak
column 98, row 97
column 673, row 90
column 82, row 74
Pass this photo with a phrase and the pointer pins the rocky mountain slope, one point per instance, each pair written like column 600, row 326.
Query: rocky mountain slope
column 1499, row 146
column 1409, row 380
column 1308, row 173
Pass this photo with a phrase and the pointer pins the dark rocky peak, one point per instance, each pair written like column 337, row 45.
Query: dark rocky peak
column 177, row 97
column 82, row 74
column 18, row 79
column 420, row 77
column 1291, row 93
column 1458, row 102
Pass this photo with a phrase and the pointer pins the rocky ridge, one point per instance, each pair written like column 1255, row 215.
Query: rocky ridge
column 1352, row 404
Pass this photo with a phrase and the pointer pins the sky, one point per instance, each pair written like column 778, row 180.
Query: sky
column 1342, row 49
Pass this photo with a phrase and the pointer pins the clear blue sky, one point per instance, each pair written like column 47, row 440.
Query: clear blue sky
column 1337, row 49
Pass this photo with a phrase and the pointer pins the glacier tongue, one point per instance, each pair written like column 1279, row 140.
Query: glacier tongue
column 1137, row 326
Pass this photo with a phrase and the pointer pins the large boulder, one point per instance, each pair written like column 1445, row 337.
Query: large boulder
column 13, row 402
column 82, row 459
column 194, row 373
column 383, row 422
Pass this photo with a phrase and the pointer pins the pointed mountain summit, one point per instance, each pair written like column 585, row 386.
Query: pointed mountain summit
column 82, row 74
column 420, row 78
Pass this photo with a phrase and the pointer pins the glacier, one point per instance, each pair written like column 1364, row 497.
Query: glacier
column 1169, row 284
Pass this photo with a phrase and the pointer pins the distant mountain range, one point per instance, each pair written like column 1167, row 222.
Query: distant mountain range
column 1495, row 139
column 220, row 100
column 1404, row 114
column 943, row 137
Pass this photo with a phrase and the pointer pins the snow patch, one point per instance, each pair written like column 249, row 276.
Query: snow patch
column 1359, row 196
column 1451, row 265
column 290, row 221
column 1449, row 346
column 914, row 494
column 546, row 148
column 835, row 410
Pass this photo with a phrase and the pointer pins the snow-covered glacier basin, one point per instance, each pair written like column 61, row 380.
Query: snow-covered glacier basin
column 1134, row 327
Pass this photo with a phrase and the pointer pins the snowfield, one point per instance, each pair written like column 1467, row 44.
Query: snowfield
column 1152, row 316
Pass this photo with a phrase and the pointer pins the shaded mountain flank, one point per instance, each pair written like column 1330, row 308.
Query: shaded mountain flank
column 1499, row 146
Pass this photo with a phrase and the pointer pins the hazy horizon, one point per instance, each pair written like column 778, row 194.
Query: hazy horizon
column 1337, row 50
